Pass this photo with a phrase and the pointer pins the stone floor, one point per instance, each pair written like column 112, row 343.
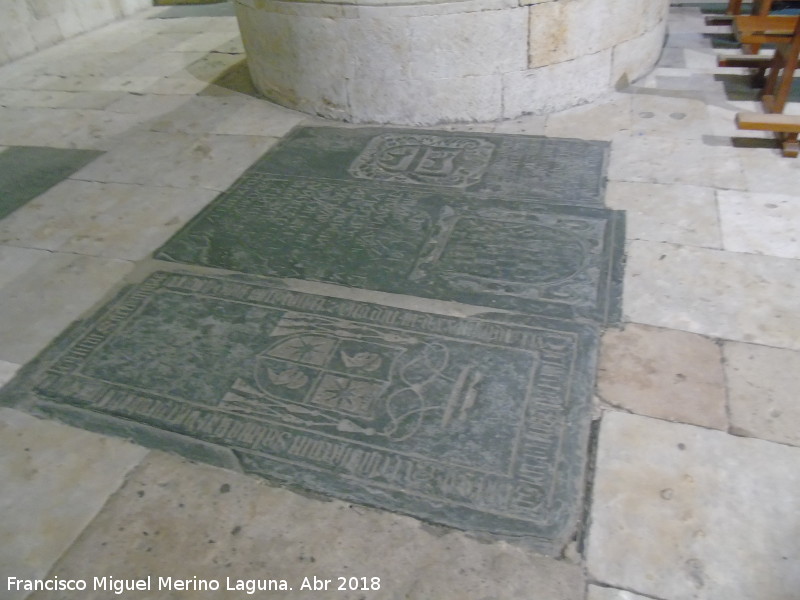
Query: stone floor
column 695, row 492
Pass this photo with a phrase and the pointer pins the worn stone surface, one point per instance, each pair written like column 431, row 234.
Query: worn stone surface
column 43, row 292
column 561, row 31
column 682, row 512
column 474, row 424
column 475, row 98
column 599, row 120
column 661, row 159
column 7, row 371
column 679, row 214
column 633, row 59
column 111, row 220
column 423, row 235
column 468, row 44
column 27, row 171
column 595, row 592
column 663, row 373
column 424, row 63
column 177, row 160
column 27, row 25
column 55, row 480
column 181, row 520
column 763, row 391
column 760, row 223
column 681, row 117
column 558, row 86
column 730, row 295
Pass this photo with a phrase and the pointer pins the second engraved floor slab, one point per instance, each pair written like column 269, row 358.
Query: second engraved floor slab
column 426, row 215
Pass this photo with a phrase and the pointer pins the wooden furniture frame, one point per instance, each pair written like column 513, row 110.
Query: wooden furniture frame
column 779, row 68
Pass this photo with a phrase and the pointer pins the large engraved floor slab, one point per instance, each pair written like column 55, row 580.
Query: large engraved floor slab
column 509, row 222
column 556, row 170
column 476, row 424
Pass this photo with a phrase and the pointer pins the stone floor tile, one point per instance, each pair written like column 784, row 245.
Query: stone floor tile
column 652, row 159
column 663, row 373
column 769, row 172
column 125, row 221
column 52, row 292
column 679, row 214
column 668, row 116
column 760, row 223
column 55, row 480
column 735, row 296
column 606, row 593
column 762, row 391
column 148, row 106
column 57, row 99
column 227, row 115
column 206, row 42
column 164, row 64
column 723, row 123
column 682, row 512
column 176, row 519
column 595, row 121
column 35, row 127
column 257, row 117
column 61, row 127
column 525, row 125
column 15, row 262
column 177, row 160
column 7, row 371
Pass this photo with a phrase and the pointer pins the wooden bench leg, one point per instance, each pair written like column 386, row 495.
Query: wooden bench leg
column 789, row 144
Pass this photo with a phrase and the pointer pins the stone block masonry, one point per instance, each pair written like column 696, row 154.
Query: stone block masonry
column 30, row 25
column 424, row 62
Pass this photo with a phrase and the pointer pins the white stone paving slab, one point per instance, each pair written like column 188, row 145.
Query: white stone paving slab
column 595, row 592
column 637, row 156
column 47, row 294
column 760, row 223
column 179, row 519
column 663, row 373
column 57, row 99
column 767, row 171
column 665, row 115
column 679, row 214
column 685, row 513
column 763, row 391
column 111, row 220
column 7, row 371
column 177, row 159
column 730, row 295
column 55, row 480
column 598, row 120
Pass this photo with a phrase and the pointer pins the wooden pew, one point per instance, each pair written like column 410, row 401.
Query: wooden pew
column 786, row 127
column 777, row 86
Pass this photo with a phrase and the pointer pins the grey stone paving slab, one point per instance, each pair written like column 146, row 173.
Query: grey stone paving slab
column 179, row 520
column 472, row 423
column 365, row 210
column 55, row 481
column 554, row 170
column 27, row 171
column 685, row 513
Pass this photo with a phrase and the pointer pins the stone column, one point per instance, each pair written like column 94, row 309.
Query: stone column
column 422, row 62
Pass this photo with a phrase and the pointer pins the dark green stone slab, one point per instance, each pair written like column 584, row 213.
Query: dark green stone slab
column 477, row 424
column 562, row 261
column 552, row 170
column 27, row 171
